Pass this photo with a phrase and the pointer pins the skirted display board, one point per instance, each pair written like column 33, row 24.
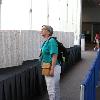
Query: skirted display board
column 25, row 82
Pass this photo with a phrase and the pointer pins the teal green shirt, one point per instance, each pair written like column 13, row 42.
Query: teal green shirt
column 49, row 48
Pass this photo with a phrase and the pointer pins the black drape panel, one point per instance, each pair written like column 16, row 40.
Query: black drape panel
column 18, row 86
column 38, row 84
column 27, row 84
column 23, row 85
column 1, row 91
column 13, row 88
column 72, row 55
column 7, row 89
column 32, row 82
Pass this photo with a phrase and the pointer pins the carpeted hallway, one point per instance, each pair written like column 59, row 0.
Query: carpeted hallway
column 70, row 82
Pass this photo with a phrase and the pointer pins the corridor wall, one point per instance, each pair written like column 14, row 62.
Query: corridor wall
column 17, row 46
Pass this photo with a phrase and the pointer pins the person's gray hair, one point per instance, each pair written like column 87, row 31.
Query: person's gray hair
column 49, row 29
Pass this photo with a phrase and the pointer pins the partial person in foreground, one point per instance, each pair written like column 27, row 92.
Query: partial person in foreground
column 97, row 40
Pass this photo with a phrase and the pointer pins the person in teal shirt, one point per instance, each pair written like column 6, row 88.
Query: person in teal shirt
column 49, row 48
column 49, row 53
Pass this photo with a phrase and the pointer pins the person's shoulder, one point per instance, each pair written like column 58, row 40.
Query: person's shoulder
column 52, row 39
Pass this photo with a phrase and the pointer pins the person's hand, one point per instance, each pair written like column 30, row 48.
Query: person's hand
column 52, row 72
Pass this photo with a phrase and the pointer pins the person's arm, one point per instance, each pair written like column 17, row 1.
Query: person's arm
column 54, row 53
column 54, row 59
